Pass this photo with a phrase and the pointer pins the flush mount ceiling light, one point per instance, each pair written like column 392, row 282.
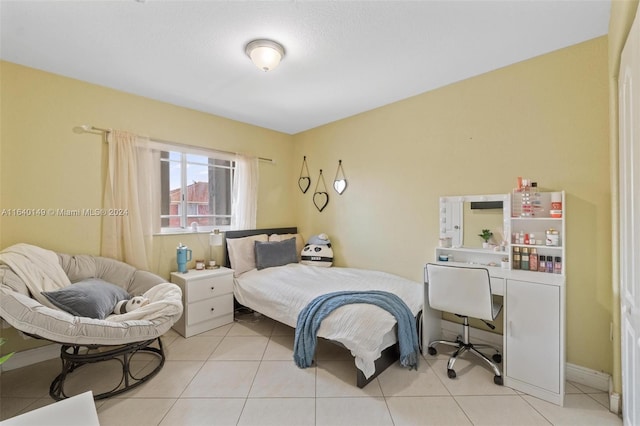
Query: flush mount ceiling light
column 265, row 54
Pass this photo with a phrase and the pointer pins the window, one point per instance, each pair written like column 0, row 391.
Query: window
column 196, row 188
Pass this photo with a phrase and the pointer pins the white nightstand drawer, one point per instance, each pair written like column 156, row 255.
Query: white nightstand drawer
column 207, row 287
column 210, row 308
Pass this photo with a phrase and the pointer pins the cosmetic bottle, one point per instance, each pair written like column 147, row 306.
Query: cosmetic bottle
column 533, row 259
column 542, row 264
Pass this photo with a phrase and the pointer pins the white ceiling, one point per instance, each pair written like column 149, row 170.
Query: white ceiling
column 342, row 57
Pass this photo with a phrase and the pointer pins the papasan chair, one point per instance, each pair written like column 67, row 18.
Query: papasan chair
column 70, row 300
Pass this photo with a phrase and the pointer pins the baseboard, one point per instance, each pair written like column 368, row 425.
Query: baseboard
column 614, row 399
column 31, row 356
column 588, row 377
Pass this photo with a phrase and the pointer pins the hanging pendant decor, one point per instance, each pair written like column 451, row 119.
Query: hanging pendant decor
column 321, row 198
column 340, row 181
column 305, row 180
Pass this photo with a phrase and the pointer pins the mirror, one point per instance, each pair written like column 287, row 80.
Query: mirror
column 462, row 219
column 340, row 181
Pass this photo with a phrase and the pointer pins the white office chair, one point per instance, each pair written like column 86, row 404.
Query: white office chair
column 466, row 292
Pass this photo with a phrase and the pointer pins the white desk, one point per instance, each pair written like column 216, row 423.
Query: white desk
column 79, row 410
column 534, row 329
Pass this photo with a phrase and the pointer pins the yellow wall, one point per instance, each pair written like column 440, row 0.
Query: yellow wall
column 43, row 164
column 545, row 119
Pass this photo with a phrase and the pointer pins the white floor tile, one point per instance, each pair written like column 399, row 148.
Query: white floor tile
column 134, row 411
column 230, row 379
column 471, row 378
column 32, row 381
column 170, row 382
column 432, row 410
column 204, row 412
column 338, row 379
column 278, row 412
column 585, row 388
column 578, row 410
column 283, row 379
column 247, row 348
column 400, row 381
column 252, row 325
column 352, row 411
column 507, row 410
column 218, row 331
column 243, row 373
column 601, row 398
column 11, row 407
column 194, row 348
column 280, row 347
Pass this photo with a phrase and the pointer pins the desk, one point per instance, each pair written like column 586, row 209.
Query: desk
column 79, row 410
column 534, row 329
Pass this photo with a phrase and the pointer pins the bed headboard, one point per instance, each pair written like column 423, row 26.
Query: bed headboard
column 250, row 232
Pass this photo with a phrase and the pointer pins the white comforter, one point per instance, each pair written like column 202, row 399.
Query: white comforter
column 366, row 330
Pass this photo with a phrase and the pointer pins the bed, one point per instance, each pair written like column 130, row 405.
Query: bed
column 281, row 292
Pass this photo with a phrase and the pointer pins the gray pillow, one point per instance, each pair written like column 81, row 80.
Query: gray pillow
column 275, row 253
column 92, row 298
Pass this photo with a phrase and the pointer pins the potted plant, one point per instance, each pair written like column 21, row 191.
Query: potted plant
column 486, row 236
column 7, row 356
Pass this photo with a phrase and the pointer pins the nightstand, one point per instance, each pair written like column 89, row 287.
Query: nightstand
column 207, row 297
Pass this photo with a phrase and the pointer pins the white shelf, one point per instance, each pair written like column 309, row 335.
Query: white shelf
column 537, row 246
column 477, row 250
column 535, row 218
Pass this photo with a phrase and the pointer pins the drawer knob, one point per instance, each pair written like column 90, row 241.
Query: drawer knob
column 213, row 309
column 213, row 288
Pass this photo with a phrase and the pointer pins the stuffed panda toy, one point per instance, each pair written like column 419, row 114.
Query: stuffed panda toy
column 124, row 306
column 317, row 251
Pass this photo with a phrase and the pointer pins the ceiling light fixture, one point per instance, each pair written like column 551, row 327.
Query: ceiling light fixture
column 265, row 54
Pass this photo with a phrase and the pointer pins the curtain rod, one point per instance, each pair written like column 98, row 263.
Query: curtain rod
column 85, row 128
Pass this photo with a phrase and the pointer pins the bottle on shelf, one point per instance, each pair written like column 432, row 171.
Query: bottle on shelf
column 516, row 257
column 536, row 201
column 556, row 205
column 542, row 264
column 525, row 210
column 553, row 237
column 533, row 259
column 549, row 268
column 524, row 259
column 557, row 265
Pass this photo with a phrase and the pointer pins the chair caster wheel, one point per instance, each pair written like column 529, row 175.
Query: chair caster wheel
column 498, row 380
column 431, row 351
column 497, row 358
column 452, row 373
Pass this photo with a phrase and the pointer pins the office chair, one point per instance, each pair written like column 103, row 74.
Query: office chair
column 466, row 292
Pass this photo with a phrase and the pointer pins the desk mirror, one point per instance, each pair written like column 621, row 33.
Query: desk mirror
column 463, row 217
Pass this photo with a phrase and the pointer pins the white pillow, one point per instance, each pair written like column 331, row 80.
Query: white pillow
column 242, row 255
column 283, row 237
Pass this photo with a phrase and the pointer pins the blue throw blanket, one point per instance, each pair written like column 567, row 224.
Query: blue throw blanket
column 312, row 315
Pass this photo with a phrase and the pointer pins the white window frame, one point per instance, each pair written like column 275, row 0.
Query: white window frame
column 184, row 150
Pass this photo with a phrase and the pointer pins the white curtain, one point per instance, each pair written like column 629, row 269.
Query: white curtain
column 245, row 193
column 131, row 200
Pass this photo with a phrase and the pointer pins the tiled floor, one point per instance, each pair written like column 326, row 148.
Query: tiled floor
column 243, row 374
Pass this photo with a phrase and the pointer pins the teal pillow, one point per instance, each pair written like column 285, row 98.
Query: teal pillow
column 91, row 298
column 275, row 253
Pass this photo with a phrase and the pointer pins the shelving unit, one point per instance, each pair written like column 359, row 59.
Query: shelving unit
column 534, row 302
column 538, row 225
column 452, row 225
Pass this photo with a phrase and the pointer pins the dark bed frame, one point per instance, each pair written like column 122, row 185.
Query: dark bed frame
column 389, row 355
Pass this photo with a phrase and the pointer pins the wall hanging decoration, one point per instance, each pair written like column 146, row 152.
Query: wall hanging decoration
column 340, row 181
column 305, row 180
column 321, row 198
